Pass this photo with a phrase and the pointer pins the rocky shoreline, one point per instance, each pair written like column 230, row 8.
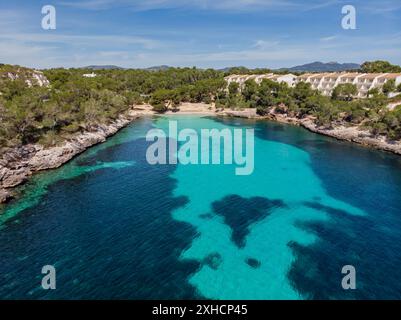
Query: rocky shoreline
column 356, row 135
column 18, row 164
column 344, row 133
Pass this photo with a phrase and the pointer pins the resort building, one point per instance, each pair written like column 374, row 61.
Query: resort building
column 289, row 79
column 89, row 75
column 326, row 82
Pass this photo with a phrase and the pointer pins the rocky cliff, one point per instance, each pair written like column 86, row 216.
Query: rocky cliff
column 18, row 164
column 31, row 77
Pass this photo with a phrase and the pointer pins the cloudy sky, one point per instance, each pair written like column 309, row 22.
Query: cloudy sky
column 203, row 33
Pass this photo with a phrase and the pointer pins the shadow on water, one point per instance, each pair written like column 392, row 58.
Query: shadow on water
column 240, row 213
column 365, row 178
column 112, row 236
column 347, row 239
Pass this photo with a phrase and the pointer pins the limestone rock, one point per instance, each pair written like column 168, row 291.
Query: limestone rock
column 16, row 165
column 5, row 196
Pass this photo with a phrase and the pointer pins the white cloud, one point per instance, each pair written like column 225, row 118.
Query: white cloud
column 385, row 6
column 37, row 51
column 79, row 40
column 264, row 44
column 90, row 4
column 226, row 5
column 330, row 38
column 323, row 4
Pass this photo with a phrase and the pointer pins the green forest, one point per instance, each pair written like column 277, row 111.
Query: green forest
column 73, row 103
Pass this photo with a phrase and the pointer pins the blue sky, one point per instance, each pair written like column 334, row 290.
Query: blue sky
column 202, row 33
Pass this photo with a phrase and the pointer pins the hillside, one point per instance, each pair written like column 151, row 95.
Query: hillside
column 29, row 76
column 325, row 67
column 158, row 68
column 105, row 67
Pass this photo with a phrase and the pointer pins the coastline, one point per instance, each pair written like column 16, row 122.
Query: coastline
column 17, row 165
column 355, row 135
column 352, row 134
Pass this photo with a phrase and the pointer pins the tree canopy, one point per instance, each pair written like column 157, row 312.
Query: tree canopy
column 379, row 66
column 73, row 103
column 345, row 92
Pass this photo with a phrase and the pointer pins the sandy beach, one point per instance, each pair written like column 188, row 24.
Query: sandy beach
column 195, row 108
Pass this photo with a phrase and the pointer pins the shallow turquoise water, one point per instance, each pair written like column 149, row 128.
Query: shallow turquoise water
column 116, row 227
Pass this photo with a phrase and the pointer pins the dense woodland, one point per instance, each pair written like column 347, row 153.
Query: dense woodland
column 74, row 103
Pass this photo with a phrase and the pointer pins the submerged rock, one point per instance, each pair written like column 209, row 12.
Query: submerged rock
column 213, row 260
column 240, row 213
column 5, row 196
column 253, row 263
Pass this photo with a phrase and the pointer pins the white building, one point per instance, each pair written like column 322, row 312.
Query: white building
column 326, row 82
column 289, row 79
column 89, row 75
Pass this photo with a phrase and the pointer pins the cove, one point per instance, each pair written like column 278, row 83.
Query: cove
column 116, row 227
column 195, row 149
column 282, row 182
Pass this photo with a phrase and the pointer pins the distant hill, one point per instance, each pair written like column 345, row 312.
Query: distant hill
column 324, row 67
column 310, row 67
column 237, row 69
column 112, row 67
column 228, row 69
column 244, row 70
column 158, row 68
column 106, row 67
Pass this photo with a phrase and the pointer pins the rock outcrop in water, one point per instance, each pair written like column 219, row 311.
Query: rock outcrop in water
column 5, row 196
column 18, row 164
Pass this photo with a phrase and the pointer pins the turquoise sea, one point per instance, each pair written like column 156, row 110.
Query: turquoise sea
column 116, row 227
